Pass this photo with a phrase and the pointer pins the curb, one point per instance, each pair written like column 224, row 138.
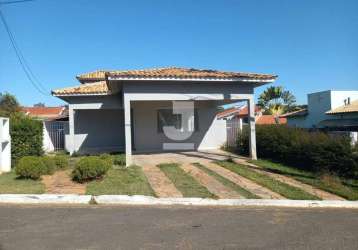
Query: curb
column 148, row 200
column 45, row 198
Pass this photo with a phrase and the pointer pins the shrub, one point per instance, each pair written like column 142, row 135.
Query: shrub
column 49, row 163
column 120, row 160
column 61, row 161
column 314, row 151
column 90, row 168
column 30, row 167
column 26, row 137
column 107, row 157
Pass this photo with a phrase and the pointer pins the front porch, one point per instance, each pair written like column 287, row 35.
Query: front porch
column 137, row 128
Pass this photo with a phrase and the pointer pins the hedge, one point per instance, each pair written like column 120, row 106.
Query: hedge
column 26, row 137
column 314, row 151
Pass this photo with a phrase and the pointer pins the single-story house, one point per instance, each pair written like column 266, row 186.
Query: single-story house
column 55, row 125
column 153, row 110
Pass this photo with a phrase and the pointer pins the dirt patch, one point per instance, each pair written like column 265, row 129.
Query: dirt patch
column 60, row 183
column 213, row 185
column 160, row 183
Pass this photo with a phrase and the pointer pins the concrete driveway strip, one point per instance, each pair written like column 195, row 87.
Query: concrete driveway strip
column 292, row 182
column 162, row 186
column 213, row 185
column 247, row 184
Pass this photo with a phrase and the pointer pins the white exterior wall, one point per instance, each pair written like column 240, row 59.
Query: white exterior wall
column 5, row 145
column 210, row 135
column 47, row 144
column 97, row 131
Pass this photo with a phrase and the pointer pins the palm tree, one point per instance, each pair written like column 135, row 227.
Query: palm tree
column 276, row 100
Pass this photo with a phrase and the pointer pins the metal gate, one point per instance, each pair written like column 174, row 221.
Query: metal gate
column 56, row 131
column 233, row 127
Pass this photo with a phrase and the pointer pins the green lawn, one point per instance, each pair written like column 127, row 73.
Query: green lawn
column 345, row 188
column 245, row 193
column 9, row 184
column 284, row 189
column 125, row 181
column 184, row 182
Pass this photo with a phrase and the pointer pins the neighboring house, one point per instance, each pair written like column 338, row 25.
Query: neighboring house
column 55, row 125
column 126, row 110
column 329, row 110
column 240, row 114
column 44, row 113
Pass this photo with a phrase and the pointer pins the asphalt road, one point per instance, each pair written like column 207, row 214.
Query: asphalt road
column 95, row 227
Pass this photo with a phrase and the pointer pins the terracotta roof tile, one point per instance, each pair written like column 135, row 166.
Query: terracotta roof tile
column 43, row 112
column 349, row 108
column 172, row 72
column 270, row 119
column 87, row 88
column 301, row 112
column 241, row 111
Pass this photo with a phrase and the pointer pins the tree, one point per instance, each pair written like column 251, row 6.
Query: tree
column 8, row 104
column 277, row 101
column 40, row 104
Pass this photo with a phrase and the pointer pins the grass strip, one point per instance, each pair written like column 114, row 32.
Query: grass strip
column 347, row 189
column 123, row 181
column 284, row 189
column 184, row 182
column 245, row 193
column 10, row 184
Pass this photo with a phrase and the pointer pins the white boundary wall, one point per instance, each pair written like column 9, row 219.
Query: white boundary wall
column 5, row 145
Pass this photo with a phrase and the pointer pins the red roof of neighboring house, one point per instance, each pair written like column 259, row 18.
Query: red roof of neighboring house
column 43, row 112
column 301, row 112
column 242, row 111
column 270, row 119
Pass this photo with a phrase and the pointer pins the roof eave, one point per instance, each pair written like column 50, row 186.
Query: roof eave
column 80, row 94
column 126, row 78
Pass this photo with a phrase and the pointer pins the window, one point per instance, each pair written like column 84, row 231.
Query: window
column 166, row 117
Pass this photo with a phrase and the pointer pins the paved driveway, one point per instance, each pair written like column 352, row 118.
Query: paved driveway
column 179, row 157
column 94, row 227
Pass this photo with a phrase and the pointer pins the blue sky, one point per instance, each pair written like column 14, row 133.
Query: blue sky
column 311, row 44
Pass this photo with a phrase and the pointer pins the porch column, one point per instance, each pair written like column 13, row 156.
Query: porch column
column 127, row 129
column 71, row 127
column 252, row 136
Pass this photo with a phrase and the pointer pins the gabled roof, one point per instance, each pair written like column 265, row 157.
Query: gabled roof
column 349, row 108
column 43, row 112
column 173, row 73
column 96, row 88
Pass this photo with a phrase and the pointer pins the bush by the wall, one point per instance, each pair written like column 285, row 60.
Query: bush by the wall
column 90, row 168
column 120, row 160
column 61, row 161
column 26, row 137
column 315, row 151
column 107, row 157
column 30, row 167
